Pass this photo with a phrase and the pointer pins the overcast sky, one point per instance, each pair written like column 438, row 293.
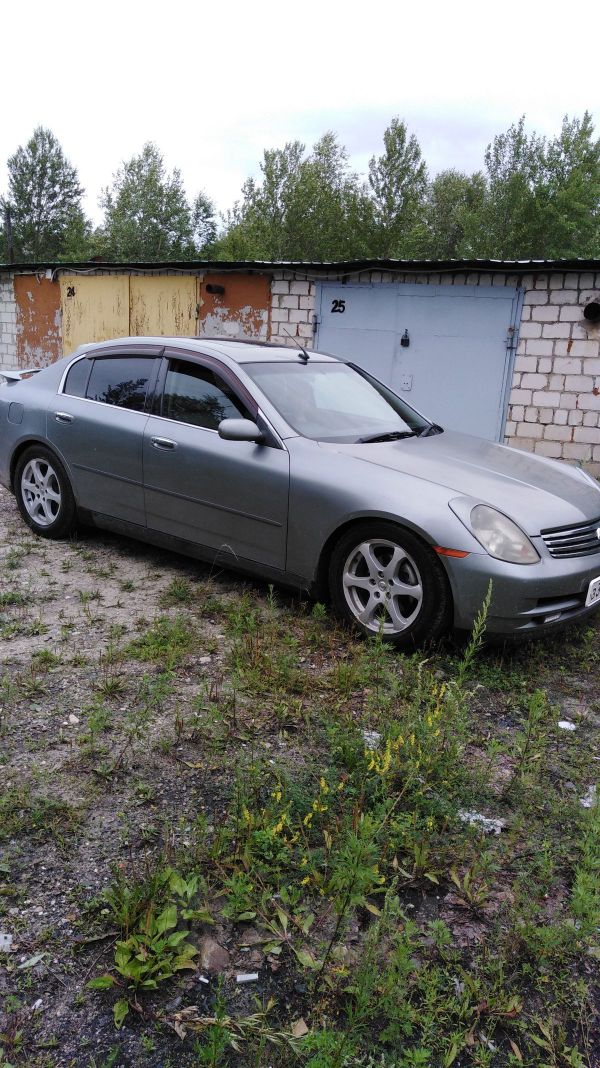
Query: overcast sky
column 213, row 84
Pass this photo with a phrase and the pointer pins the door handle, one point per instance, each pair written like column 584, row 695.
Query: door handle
column 163, row 443
column 63, row 417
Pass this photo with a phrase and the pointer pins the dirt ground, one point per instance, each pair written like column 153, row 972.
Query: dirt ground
column 103, row 767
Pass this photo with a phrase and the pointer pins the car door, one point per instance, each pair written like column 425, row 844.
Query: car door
column 230, row 496
column 97, row 425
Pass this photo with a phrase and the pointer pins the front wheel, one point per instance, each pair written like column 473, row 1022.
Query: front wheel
column 44, row 493
column 385, row 581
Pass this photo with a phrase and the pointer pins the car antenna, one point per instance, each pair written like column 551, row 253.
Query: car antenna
column 305, row 357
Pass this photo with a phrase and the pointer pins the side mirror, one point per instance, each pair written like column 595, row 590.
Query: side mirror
column 240, row 430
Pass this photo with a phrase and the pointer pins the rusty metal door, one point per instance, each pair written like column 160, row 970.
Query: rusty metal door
column 162, row 306
column 94, row 308
column 39, row 340
column 234, row 305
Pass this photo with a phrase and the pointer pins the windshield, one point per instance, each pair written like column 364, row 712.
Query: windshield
column 333, row 402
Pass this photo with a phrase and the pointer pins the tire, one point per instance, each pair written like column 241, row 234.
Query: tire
column 43, row 492
column 384, row 580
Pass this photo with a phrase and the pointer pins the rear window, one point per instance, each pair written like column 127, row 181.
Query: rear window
column 77, row 378
column 121, row 381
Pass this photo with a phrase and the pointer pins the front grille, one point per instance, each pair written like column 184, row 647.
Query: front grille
column 562, row 542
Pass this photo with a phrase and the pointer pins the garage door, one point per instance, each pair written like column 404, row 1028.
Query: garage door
column 162, row 305
column 93, row 309
column 457, row 365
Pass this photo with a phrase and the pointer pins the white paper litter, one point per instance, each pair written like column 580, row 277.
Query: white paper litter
column 247, row 977
column 488, row 825
column 590, row 798
column 371, row 739
column 566, row 725
column 6, row 941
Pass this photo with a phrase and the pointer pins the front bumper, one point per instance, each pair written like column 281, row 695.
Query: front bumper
column 528, row 599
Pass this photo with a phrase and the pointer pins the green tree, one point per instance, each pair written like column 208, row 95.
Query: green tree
column 452, row 213
column 204, row 223
column 509, row 219
column 542, row 197
column 147, row 215
column 398, row 182
column 258, row 226
column 303, row 207
column 331, row 215
column 44, row 196
column 570, row 195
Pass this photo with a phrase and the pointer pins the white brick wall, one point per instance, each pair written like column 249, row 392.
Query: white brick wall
column 8, row 323
column 554, row 405
column 292, row 308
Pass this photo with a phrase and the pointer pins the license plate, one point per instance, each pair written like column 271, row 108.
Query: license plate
column 593, row 594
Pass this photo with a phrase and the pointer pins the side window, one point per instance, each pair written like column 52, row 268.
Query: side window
column 197, row 395
column 77, row 378
column 120, row 380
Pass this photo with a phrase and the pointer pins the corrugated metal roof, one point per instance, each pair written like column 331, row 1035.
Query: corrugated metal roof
column 341, row 266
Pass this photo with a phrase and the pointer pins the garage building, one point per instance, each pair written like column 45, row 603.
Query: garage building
column 507, row 350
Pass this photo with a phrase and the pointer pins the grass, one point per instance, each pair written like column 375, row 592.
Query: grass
column 307, row 800
column 38, row 816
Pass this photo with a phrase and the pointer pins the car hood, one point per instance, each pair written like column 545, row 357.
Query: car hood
column 536, row 492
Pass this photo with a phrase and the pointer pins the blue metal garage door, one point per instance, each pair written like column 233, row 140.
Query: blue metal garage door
column 457, row 366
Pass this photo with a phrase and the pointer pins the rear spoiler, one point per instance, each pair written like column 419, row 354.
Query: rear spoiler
column 17, row 376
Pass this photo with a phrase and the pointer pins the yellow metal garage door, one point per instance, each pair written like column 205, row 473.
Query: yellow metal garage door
column 93, row 308
column 163, row 306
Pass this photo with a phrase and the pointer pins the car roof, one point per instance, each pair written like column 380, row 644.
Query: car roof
column 239, row 350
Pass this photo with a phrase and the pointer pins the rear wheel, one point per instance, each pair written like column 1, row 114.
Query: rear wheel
column 44, row 493
column 385, row 581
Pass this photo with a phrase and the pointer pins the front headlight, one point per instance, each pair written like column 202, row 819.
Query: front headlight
column 500, row 537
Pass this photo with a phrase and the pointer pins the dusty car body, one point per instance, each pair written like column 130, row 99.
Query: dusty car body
column 304, row 470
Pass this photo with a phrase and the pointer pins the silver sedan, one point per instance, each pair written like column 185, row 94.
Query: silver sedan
column 305, row 470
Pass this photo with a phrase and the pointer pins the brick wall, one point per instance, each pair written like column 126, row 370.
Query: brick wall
column 292, row 308
column 554, row 405
column 8, row 323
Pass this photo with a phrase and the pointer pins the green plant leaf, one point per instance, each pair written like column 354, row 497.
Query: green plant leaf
column 176, row 938
column 197, row 915
column 101, row 982
column 283, row 919
column 177, row 884
column 307, row 958
column 120, row 1010
column 167, row 919
column 451, row 1055
column 272, row 947
column 183, row 961
column 122, row 955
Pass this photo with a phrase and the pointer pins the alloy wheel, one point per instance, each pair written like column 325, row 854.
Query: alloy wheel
column 40, row 490
column 382, row 586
